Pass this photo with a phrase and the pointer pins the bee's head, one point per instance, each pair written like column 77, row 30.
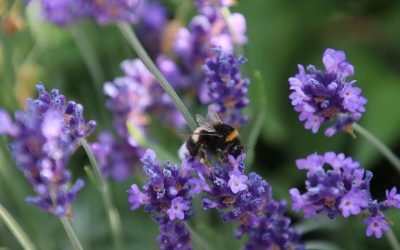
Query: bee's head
column 235, row 150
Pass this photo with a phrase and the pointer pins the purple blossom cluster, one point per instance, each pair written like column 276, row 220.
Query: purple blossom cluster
column 151, row 27
column 43, row 138
column 325, row 96
column 117, row 158
column 65, row 12
column 227, row 89
column 341, row 189
column 207, row 30
column 247, row 200
column 167, row 196
column 130, row 99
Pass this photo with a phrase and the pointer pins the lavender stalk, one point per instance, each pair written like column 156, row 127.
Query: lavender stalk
column 71, row 234
column 16, row 230
column 394, row 243
column 112, row 212
column 378, row 145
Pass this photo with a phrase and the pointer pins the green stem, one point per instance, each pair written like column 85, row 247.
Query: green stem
column 71, row 234
column 134, row 42
column 392, row 240
column 91, row 61
column 112, row 213
column 321, row 245
column 260, row 117
column 88, row 54
column 198, row 238
column 379, row 145
column 16, row 230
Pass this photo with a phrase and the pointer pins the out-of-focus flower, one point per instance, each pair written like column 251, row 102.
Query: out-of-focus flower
column 158, row 102
column 152, row 22
column 130, row 99
column 106, row 11
column 325, row 96
column 65, row 12
column 43, row 138
column 227, row 89
column 117, row 159
column 168, row 197
column 343, row 189
column 207, row 30
column 219, row 3
column 12, row 22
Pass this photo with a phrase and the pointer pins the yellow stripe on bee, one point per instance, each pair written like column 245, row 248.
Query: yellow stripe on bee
column 234, row 134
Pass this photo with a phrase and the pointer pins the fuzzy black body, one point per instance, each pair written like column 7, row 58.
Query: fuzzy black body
column 225, row 140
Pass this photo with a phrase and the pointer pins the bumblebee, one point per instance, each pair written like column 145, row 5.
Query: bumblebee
column 212, row 136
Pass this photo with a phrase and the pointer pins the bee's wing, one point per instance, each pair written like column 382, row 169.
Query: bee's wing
column 205, row 124
column 213, row 116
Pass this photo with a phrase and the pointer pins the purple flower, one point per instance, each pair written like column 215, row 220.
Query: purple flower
column 174, row 235
column 247, row 200
column 152, row 26
column 206, row 30
column 153, row 96
column 227, row 90
column 65, row 12
column 377, row 225
column 45, row 136
column 136, row 197
column 393, row 198
column 219, row 3
column 325, row 96
column 177, row 209
column 237, row 181
column 106, row 11
column 117, row 159
column 353, row 203
column 342, row 188
column 167, row 196
column 6, row 124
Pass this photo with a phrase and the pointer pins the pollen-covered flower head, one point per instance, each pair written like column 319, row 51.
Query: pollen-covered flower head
column 324, row 96
column 44, row 137
column 337, row 185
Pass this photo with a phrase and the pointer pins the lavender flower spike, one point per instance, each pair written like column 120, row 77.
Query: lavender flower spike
column 248, row 200
column 227, row 89
column 326, row 96
column 342, row 189
column 167, row 196
column 45, row 136
column 66, row 12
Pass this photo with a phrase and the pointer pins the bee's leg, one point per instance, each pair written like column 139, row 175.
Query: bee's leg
column 222, row 155
column 203, row 156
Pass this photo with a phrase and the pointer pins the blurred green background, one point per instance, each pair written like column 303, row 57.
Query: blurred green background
column 281, row 34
